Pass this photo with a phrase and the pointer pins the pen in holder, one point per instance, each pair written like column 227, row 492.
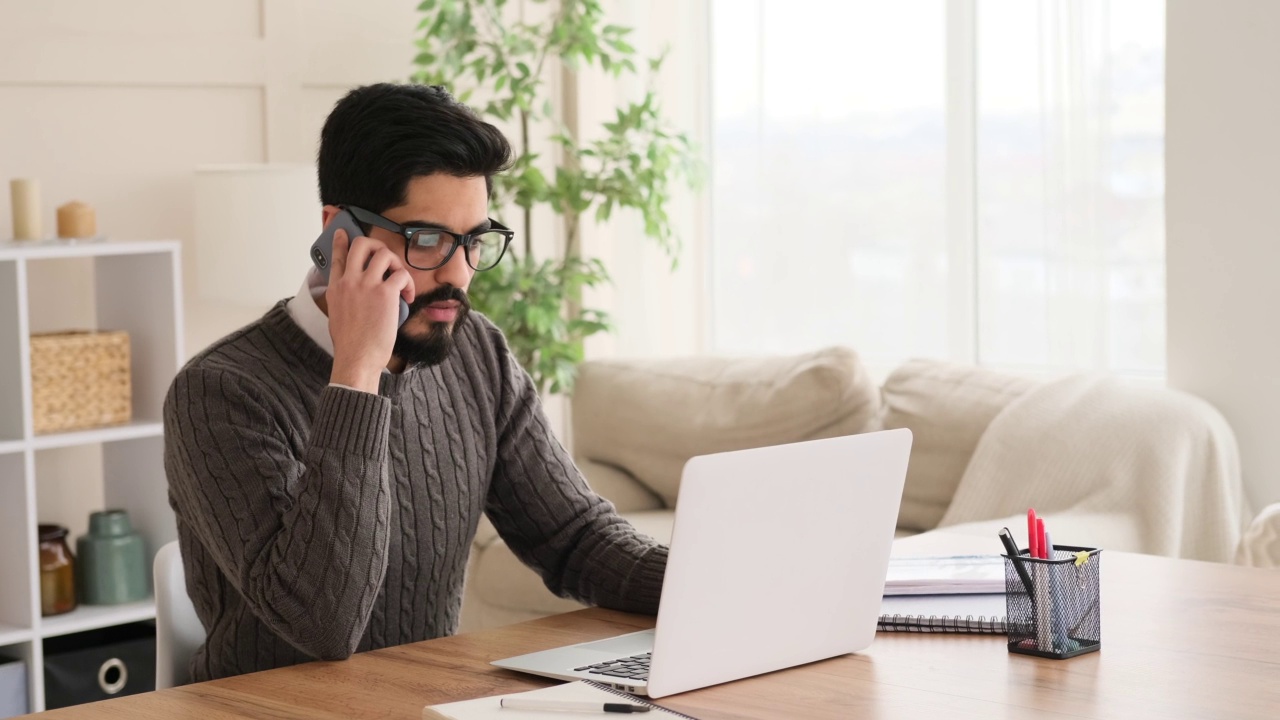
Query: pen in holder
column 1059, row 615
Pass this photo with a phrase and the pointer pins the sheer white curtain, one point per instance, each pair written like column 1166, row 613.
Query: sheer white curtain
column 828, row 177
column 1070, row 185
column 980, row 180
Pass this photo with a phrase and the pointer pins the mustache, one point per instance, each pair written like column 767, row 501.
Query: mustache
column 444, row 293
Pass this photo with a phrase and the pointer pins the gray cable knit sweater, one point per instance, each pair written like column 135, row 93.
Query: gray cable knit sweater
column 318, row 521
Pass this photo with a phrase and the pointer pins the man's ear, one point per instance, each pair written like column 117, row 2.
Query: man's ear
column 327, row 213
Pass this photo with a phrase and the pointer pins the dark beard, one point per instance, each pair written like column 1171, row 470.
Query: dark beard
column 435, row 346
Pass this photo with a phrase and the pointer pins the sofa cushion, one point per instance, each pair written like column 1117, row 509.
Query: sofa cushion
column 647, row 418
column 947, row 407
column 500, row 579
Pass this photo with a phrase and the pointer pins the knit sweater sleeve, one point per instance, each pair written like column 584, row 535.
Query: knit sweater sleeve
column 549, row 517
column 302, row 538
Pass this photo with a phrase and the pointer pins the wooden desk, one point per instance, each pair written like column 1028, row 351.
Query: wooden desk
column 1181, row 639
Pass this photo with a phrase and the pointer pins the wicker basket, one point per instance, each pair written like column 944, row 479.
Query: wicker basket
column 80, row 380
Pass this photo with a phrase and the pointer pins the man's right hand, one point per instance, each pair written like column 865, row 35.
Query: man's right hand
column 364, row 312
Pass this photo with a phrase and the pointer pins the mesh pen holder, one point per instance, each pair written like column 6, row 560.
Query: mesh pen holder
column 1057, row 611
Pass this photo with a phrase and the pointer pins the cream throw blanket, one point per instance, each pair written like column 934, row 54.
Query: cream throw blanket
column 1261, row 544
column 1112, row 465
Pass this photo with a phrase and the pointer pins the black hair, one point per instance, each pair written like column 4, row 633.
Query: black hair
column 381, row 136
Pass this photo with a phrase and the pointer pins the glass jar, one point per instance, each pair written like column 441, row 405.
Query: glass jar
column 57, row 572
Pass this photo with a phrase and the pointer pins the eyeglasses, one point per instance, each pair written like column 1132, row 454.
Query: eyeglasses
column 428, row 248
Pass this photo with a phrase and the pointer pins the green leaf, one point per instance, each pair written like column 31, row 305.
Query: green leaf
column 632, row 164
column 604, row 210
column 534, row 177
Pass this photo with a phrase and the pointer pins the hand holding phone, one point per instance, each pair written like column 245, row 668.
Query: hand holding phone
column 322, row 250
column 365, row 278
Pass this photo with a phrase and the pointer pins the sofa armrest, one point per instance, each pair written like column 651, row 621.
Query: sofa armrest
column 618, row 487
column 1260, row 546
column 486, row 535
column 500, row 589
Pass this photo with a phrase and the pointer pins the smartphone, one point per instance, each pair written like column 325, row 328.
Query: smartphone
column 322, row 249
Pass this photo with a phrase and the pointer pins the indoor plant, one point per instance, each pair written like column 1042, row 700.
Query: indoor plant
column 498, row 64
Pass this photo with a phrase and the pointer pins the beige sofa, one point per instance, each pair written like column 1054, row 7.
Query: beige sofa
column 1148, row 470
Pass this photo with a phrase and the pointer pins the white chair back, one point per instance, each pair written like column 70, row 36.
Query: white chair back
column 179, row 632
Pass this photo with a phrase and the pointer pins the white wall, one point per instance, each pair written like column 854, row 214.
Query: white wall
column 1223, row 215
column 114, row 103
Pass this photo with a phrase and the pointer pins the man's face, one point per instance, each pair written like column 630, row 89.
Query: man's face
column 459, row 205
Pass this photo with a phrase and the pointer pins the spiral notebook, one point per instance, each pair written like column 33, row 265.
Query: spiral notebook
column 487, row 708
column 944, row 613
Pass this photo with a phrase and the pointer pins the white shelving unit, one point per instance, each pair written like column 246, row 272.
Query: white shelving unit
column 13, row 635
column 138, row 289
column 131, row 431
column 92, row 617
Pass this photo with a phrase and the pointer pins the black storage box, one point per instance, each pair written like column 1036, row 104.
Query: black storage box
column 99, row 664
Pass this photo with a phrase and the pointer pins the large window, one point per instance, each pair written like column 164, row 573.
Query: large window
column 979, row 180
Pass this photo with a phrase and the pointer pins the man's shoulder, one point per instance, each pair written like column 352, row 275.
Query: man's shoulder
column 233, row 354
column 479, row 335
column 480, row 352
column 246, row 357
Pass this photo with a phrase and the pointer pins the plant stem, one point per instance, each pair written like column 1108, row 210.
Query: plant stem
column 545, row 50
column 571, row 222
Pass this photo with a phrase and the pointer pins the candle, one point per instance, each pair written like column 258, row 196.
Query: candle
column 25, row 196
column 76, row 220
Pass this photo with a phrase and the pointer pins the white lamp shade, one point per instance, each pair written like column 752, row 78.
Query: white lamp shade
column 254, row 227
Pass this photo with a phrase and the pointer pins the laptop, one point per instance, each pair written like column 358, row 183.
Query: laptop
column 778, row 558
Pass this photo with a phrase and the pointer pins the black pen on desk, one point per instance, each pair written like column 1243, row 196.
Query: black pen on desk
column 569, row 705
column 1011, row 548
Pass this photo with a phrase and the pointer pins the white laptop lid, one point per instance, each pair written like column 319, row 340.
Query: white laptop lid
column 778, row 558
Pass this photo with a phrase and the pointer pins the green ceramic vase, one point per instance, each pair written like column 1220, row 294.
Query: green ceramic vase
column 111, row 561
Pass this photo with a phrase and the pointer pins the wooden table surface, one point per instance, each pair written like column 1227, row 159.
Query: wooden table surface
column 1181, row 639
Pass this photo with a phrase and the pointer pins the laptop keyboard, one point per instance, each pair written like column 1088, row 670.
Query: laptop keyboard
column 634, row 667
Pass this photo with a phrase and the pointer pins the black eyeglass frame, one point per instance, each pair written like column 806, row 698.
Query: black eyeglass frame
column 465, row 241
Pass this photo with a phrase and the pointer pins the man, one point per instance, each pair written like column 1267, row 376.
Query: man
column 328, row 469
